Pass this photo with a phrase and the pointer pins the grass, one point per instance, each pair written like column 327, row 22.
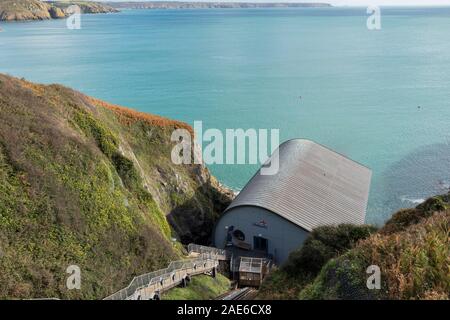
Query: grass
column 201, row 287
column 81, row 186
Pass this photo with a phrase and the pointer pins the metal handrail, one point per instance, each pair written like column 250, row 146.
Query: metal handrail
column 204, row 249
column 142, row 281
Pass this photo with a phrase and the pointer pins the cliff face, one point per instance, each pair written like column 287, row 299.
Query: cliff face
column 88, row 183
column 18, row 10
column 412, row 252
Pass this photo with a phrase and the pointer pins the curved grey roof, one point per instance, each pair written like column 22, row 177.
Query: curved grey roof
column 314, row 186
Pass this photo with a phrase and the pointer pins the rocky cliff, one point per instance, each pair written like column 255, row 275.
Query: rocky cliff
column 19, row 10
column 213, row 5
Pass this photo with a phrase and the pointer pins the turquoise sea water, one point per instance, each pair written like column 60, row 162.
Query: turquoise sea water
column 239, row 68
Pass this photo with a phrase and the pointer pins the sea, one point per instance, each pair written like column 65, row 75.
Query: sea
column 380, row 97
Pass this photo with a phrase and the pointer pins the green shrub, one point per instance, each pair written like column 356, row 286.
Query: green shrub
column 341, row 278
column 412, row 251
column 68, row 195
column 304, row 264
column 407, row 217
column 434, row 204
column 323, row 244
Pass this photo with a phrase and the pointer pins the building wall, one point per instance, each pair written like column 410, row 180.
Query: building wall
column 283, row 235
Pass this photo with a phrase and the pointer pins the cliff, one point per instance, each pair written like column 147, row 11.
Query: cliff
column 11, row 10
column 87, row 7
column 91, row 184
column 19, row 10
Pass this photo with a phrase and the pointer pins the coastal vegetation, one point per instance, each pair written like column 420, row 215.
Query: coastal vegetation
column 91, row 184
column 201, row 287
column 412, row 251
column 18, row 10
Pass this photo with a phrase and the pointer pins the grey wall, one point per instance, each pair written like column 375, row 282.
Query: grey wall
column 283, row 235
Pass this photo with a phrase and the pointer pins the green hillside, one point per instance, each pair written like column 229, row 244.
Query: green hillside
column 90, row 184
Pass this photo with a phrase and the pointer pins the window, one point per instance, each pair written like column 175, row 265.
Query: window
column 260, row 244
column 238, row 234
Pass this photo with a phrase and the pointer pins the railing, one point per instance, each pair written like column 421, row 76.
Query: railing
column 218, row 253
column 253, row 265
column 146, row 285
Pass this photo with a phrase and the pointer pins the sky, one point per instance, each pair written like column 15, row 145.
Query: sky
column 338, row 2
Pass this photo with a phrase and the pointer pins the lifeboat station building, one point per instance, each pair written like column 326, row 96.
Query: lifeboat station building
column 273, row 214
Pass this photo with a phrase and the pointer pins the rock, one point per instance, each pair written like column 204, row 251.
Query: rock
column 15, row 10
column 56, row 13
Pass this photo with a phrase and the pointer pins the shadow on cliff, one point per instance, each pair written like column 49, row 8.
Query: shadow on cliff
column 194, row 219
